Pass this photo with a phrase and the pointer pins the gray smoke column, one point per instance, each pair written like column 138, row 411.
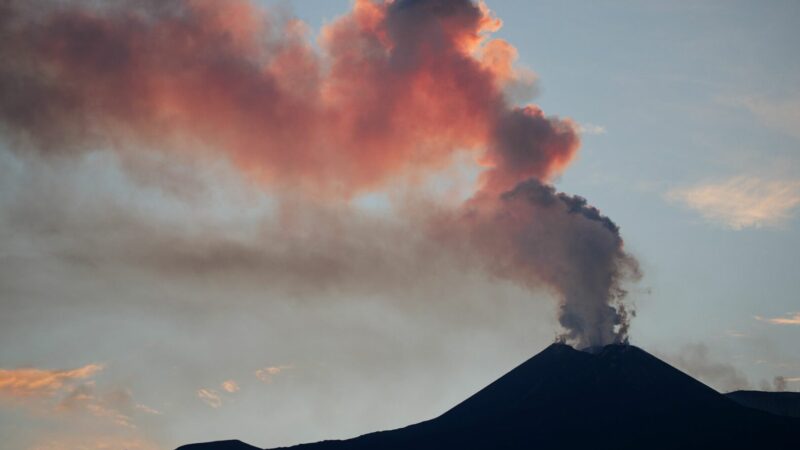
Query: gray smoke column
column 585, row 262
column 394, row 91
column 538, row 237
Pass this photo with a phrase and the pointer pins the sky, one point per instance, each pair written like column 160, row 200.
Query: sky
column 189, row 253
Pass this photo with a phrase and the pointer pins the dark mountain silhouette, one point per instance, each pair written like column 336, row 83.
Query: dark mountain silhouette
column 780, row 403
column 220, row 445
column 614, row 397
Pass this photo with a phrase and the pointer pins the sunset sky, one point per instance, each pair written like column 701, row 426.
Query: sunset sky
column 194, row 247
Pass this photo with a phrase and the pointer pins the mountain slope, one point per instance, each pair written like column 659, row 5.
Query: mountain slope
column 219, row 445
column 778, row 403
column 615, row 397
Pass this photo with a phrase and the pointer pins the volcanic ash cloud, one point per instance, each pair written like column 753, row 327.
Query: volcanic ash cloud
column 395, row 91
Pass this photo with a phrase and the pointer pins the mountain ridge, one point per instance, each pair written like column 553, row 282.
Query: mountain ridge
column 778, row 403
column 617, row 397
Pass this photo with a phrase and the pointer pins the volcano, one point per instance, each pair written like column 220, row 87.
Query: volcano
column 612, row 397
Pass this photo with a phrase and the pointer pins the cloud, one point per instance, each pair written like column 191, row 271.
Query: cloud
column 266, row 374
column 70, row 393
column 590, row 128
column 780, row 114
column 792, row 319
column 147, row 409
column 115, row 405
column 210, row 397
column 742, row 202
column 32, row 382
column 393, row 88
column 230, row 386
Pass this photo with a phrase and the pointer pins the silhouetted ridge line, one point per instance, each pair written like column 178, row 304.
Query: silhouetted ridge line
column 219, row 445
column 614, row 397
column 779, row 403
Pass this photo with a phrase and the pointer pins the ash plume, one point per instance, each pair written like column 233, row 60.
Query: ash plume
column 539, row 237
column 396, row 91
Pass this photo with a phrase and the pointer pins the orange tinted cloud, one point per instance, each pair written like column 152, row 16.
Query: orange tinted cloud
column 230, row 386
column 70, row 393
column 116, row 406
column 210, row 397
column 31, row 382
column 266, row 374
column 743, row 201
column 396, row 91
column 398, row 88
column 791, row 319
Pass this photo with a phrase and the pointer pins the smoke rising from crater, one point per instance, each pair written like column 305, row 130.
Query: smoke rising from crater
column 539, row 237
column 396, row 91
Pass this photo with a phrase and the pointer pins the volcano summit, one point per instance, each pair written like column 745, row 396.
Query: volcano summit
column 614, row 397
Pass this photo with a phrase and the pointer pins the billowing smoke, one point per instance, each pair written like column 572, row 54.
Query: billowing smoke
column 396, row 91
column 539, row 237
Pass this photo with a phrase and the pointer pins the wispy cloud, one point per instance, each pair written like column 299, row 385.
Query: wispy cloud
column 147, row 409
column 742, row 202
column 210, row 397
column 84, row 399
column 116, row 405
column 70, row 393
column 267, row 373
column 230, row 386
column 781, row 114
column 32, row 382
column 789, row 319
column 214, row 398
column 590, row 128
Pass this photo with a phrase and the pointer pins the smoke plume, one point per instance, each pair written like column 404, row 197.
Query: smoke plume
column 396, row 90
column 539, row 237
